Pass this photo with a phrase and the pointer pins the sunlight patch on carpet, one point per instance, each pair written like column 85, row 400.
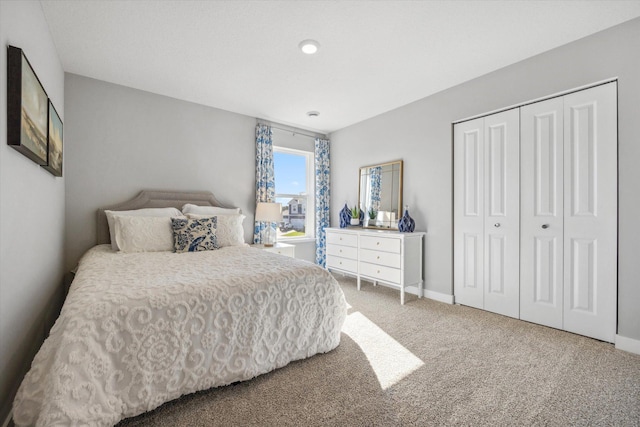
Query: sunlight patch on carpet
column 389, row 359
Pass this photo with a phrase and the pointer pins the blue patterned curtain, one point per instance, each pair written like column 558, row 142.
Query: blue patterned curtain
column 376, row 187
column 265, row 178
column 322, row 160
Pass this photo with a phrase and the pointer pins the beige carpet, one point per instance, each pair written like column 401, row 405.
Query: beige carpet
column 428, row 363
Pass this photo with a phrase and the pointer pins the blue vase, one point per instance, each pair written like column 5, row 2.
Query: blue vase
column 406, row 223
column 345, row 216
column 361, row 217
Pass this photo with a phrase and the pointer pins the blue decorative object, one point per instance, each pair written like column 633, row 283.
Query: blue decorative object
column 406, row 223
column 361, row 217
column 345, row 216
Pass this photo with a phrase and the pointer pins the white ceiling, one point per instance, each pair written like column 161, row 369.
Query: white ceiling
column 243, row 56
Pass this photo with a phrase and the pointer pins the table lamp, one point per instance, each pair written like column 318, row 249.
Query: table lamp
column 269, row 212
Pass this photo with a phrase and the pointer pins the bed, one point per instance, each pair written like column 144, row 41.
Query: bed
column 140, row 329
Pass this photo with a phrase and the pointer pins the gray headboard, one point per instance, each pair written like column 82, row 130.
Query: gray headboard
column 155, row 199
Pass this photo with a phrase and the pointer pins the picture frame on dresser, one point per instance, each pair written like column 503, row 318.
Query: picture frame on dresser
column 27, row 108
column 54, row 142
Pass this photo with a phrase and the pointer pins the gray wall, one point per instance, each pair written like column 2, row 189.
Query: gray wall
column 420, row 133
column 119, row 141
column 31, row 211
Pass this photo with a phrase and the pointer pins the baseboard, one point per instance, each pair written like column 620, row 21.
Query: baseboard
column 628, row 344
column 7, row 421
column 439, row 296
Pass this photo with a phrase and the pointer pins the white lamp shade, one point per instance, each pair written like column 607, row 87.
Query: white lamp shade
column 269, row 212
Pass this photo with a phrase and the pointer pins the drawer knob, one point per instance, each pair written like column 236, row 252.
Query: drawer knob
column 340, row 250
column 341, row 238
column 340, row 262
column 378, row 271
column 377, row 243
column 378, row 257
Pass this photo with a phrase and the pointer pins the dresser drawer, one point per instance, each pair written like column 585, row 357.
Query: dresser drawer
column 288, row 251
column 350, row 265
column 342, row 251
column 342, row 239
column 385, row 244
column 279, row 248
column 381, row 258
column 379, row 272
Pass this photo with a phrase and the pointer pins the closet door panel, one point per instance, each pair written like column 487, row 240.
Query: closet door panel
column 590, row 227
column 541, row 249
column 502, row 213
column 469, row 213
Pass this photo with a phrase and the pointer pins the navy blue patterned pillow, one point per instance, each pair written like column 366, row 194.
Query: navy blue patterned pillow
column 192, row 235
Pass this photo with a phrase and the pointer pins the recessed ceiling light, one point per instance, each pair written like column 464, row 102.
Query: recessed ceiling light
column 309, row 46
column 313, row 113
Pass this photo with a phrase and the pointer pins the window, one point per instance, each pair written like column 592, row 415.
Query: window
column 294, row 178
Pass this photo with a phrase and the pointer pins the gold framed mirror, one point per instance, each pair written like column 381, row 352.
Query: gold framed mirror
column 380, row 194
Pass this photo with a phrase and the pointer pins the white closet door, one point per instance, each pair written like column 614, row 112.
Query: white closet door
column 502, row 213
column 590, row 203
column 541, row 248
column 468, row 212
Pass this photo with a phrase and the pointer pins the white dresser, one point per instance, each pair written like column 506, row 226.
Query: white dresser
column 388, row 257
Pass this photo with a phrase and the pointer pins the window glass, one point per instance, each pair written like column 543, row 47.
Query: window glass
column 292, row 185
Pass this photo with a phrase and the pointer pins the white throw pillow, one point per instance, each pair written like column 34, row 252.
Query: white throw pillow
column 143, row 233
column 229, row 232
column 163, row 212
column 209, row 210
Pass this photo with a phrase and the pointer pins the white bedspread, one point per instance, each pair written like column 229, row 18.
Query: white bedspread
column 140, row 329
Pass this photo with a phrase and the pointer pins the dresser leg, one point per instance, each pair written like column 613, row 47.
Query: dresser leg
column 402, row 295
column 358, row 280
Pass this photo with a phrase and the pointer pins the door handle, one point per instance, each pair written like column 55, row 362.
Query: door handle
column 545, row 226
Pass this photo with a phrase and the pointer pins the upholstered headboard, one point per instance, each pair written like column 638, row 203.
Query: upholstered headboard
column 155, row 199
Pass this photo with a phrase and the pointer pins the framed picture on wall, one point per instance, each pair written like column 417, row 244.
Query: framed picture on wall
column 27, row 108
column 54, row 142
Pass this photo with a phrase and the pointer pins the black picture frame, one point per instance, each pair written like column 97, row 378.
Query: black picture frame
column 54, row 141
column 27, row 108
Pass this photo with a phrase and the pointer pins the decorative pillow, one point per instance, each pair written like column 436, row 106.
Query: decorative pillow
column 143, row 233
column 209, row 210
column 164, row 212
column 229, row 231
column 192, row 235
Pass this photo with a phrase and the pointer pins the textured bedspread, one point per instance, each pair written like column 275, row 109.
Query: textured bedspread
column 138, row 330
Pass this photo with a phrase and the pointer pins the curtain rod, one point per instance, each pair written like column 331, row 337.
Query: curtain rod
column 295, row 130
